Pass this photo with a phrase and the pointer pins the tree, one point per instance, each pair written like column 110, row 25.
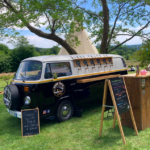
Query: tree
column 4, row 48
column 121, row 14
column 21, row 51
column 54, row 50
column 5, row 63
column 54, row 15
column 143, row 54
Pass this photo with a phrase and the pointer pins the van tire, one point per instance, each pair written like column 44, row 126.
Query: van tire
column 11, row 97
column 64, row 111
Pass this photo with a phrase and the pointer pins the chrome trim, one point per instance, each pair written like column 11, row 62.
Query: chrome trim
column 14, row 113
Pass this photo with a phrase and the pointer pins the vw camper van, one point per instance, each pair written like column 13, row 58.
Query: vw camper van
column 58, row 85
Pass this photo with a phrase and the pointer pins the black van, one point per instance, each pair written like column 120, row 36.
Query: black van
column 58, row 85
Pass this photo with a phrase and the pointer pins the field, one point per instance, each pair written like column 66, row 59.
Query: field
column 74, row 134
column 131, row 62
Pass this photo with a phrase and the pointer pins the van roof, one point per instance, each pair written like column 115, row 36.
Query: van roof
column 49, row 58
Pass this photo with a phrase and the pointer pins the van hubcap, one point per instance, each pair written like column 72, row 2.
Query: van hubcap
column 66, row 110
column 7, row 97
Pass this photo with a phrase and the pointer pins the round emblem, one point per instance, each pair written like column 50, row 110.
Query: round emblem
column 59, row 89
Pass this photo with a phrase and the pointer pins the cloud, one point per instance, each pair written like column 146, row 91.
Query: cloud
column 118, row 22
column 41, row 42
column 133, row 41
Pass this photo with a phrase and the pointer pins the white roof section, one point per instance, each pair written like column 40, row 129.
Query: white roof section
column 85, row 47
column 57, row 58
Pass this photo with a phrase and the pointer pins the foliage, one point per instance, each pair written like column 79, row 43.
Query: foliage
column 4, row 49
column 143, row 55
column 48, row 51
column 45, row 18
column 107, row 20
column 22, row 50
column 5, row 63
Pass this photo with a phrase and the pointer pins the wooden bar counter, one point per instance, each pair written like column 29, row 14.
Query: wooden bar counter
column 139, row 92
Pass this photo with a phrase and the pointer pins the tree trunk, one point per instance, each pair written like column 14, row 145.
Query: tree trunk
column 104, row 47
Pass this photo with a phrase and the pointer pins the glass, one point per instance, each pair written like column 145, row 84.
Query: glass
column 48, row 73
column 78, row 63
column 29, row 70
column 98, row 61
column 92, row 61
column 61, row 69
column 85, row 62
column 109, row 59
column 104, row 60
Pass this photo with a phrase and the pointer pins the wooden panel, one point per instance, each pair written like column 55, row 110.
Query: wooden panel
column 134, row 91
column 148, row 104
column 134, row 75
column 97, row 78
column 89, row 62
column 144, row 99
column 82, row 62
column 109, row 60
column 103, row 60
column 75, row 64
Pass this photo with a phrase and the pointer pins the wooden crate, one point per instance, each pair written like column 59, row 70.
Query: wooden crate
column 140, row 101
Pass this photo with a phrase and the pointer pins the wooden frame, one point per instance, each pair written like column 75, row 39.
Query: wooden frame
column 96, row 78
column 108, row 62
column 22, row 120
column 76, row 64
column 116, row 114
column 95, row 61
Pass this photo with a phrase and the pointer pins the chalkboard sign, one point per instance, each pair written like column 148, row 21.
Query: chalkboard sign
column 30, row 122
column 120, row 95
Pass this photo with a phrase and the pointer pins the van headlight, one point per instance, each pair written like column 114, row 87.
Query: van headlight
column 27, row 100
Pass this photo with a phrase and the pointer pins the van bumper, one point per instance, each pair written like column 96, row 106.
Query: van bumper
column 14, row 113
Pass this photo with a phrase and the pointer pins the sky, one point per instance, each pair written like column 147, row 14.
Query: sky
column 44, row 43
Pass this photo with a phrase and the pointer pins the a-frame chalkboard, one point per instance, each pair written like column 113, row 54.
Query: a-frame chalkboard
column 30, row 124
column 120, row 100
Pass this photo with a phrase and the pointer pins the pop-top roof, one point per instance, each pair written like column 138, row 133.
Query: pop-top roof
column 51, row 58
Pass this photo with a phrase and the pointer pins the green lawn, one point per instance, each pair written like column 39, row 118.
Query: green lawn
column 74, row 134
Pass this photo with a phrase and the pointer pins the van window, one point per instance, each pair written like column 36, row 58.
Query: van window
column 48, row 73
column 29, row 70
column 61, row 69
column 124, row 63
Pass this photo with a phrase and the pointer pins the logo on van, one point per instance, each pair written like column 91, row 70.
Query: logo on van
column 59, row 89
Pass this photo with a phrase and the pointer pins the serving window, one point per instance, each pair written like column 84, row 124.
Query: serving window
column 104, row 61
column 109, row 60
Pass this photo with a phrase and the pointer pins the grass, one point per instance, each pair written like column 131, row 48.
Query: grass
column 74, row 134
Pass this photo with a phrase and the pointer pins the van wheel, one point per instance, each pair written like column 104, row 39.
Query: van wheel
column 64, row 111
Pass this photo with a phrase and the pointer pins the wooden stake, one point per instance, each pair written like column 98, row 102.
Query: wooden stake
column 103, row 107
column 114, row 120
column 116, row 112
column 131, row 112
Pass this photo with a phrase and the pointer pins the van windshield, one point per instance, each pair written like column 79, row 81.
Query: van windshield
column 29, row 70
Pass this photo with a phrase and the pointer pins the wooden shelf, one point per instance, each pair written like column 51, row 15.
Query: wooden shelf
column 96, row 78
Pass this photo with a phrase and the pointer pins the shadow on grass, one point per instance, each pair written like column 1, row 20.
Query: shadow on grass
column 13, row 124
column 112, row 137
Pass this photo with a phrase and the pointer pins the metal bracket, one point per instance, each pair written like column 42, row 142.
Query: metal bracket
column 109, row 106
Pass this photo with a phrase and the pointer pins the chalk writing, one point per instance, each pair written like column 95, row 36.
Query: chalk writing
column 120, row 95
column 30, row 122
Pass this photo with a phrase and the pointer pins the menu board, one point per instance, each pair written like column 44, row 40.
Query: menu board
column 120, row 95
column 30, row 122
